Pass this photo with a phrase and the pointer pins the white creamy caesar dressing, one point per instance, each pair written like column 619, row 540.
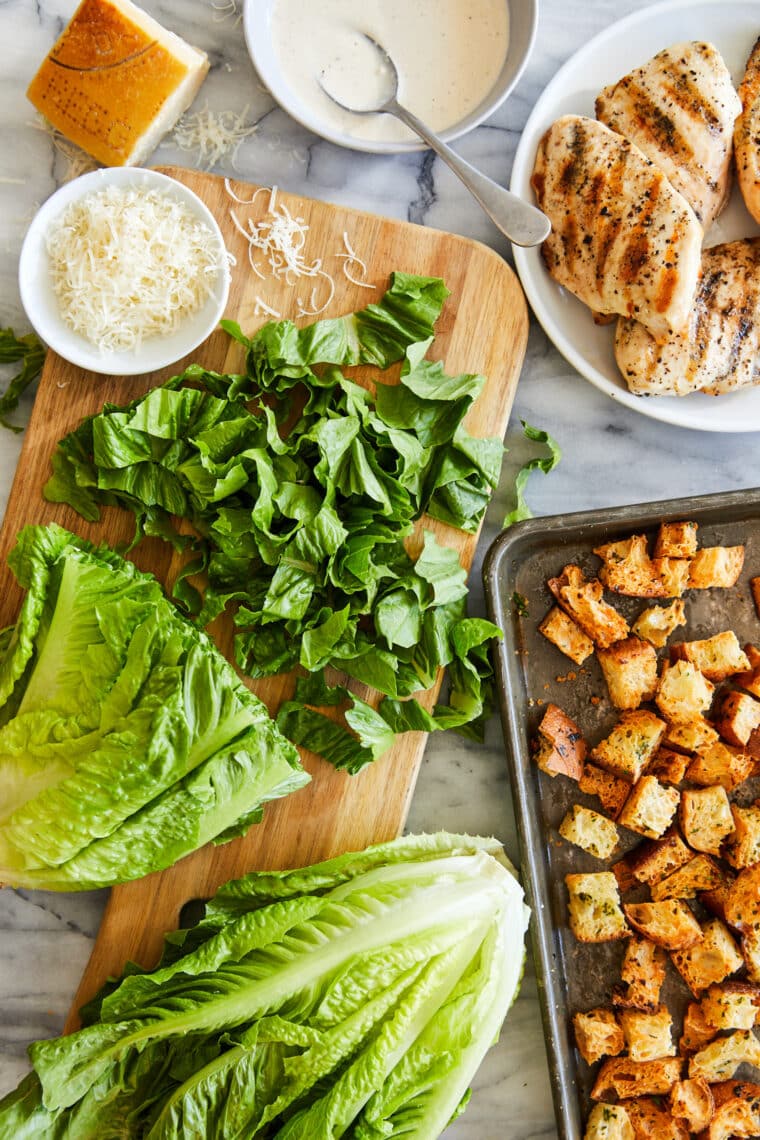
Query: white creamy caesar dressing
column 448, row 54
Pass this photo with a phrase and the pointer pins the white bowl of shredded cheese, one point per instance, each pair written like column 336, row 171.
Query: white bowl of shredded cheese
column 124, row 271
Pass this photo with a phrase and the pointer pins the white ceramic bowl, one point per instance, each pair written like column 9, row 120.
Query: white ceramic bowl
column 257, row 19
column 41, row 304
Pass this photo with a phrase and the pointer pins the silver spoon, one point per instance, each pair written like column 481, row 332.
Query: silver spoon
column 522, row 223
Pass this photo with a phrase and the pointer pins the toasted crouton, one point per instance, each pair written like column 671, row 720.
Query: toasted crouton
column 754, row 585
column 673, row 573
column 651, row 862
column 590, row 831
column 732, row 1005
column 691, row 736
column 642, row 975
column 750, row 679
column 714, row 900
column 724, row 1091
column 696, row 1030
column 720, row 763
column 657, row 623
column 628, row 568
column 737, row 717
column 608, row 1122
column 623, row 872
column 751, row 952
column 648, row 1036
column 669, row 923
column 719, row 1060
column 706, row 820
column 669, row 767
column 744, row 848
column 626, row 1078
column 562, row 748
column 742, row 900
column 676, row 540
column 716, row 657
column 594, row 907
column 653, row 1120
column 734, row 1118
column 597, row 1035
column 569, row 638
column 692, row 1103
column 716, row 566
column 683, row 693
column 700, row 874
column 611, row 791
column 583, row 601
column 649, row 808
column 630, row 670
column 631, row 744
column 709, row 960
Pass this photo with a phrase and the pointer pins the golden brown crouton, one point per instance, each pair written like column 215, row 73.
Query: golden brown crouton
column 630, row 670
column 744, row 848
column 706, row 820
column 562, row 748
column 724, row 1091
column 669, row 923
column 642, row 974
column 691, row 736
column 673, row 573
column 569, row 638
column 716, row 566
column 734, row 1118
column 611, row 791
column 651, row 862
column 676, row 540
column 669, row 767
column 631, row 744
column 608, row 1122
column 648, row 1036
column 754, row 585
column 750, row 944
column 626, row 1078
column 583, row 601
column 750, row 680
column 692, row 1103
column 696, row 1031
column 710, row 960
column 717, row 657
column 652, row 1120
column 628, row 568
column 737, row 717
column 720, row 763
column 732, row 1005
column 719, row 1060
column 623, row 872
column 683, row 693
column 649, row 808
column 700, row 874
column 714, row 900
column 742, row 900
column 658, row 622
column 597, row 1035
column 594, row 907
column 590, row 831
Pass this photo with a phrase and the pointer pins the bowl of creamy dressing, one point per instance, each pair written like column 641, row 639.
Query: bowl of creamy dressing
column 457, row 61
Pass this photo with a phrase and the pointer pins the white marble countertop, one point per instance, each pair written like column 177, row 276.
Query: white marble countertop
column 612, row 455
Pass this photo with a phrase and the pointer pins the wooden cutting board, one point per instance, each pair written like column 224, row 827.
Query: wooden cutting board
column 483, row 328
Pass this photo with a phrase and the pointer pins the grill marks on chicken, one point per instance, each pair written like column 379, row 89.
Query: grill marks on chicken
column 680, row 108
column 719, row 351
column 623, row 240
column 747, row 135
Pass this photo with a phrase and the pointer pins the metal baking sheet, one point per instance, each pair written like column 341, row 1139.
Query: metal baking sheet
column 531, row 672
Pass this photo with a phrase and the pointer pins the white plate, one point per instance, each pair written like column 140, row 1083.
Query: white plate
column 733, row 27
column 41, row 303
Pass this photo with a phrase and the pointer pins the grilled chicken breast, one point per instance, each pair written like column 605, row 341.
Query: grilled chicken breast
column 747, row 135
column 680, row 109
column 720, row 350
column 623, row 240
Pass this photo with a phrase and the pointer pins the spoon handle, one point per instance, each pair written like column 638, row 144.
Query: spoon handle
column 522, row 223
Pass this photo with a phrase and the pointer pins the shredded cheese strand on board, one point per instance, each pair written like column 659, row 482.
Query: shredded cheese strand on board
column 212, row 135
column 351, row 257
column 128, row 264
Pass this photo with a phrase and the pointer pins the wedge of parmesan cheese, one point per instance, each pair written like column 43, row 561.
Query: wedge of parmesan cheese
column 116, row 81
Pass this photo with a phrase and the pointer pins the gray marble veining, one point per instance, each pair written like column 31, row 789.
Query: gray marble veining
column 612, row 455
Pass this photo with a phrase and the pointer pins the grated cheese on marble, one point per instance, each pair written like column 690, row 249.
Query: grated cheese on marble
column 213, row 135
column 129, row 264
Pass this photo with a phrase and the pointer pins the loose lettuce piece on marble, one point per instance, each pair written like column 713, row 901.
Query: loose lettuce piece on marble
column 355, row 997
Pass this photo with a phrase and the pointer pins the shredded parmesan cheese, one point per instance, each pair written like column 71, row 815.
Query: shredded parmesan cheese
column 349, row 257
column 261, row 309
column 128, row 264
column 213, row 135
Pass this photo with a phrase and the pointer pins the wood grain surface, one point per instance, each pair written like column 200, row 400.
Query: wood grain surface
column 483, row 328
